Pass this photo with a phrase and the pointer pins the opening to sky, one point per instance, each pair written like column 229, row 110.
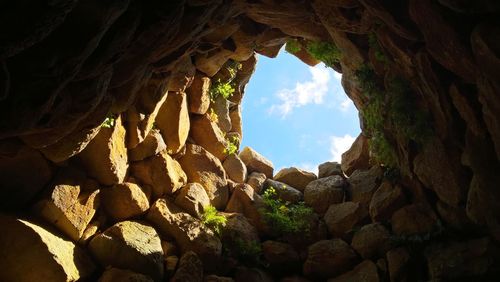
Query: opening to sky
column 296, row 115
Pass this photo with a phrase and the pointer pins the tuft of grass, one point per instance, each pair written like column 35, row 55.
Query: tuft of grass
column 326, row 52
column 231, row 147
column 109, row 122
column 224, row 89
column 213, row 220
column 293, row 46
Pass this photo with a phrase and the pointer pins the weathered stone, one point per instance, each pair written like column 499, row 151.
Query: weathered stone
column 105, row 157
column 365, row 271
column 238, row 228
column 173, row 121
column 295, row 177
column 235, row 168
column 202, row 167
column 183, row 75
column 116, row 274
column 24, row 173
column 357, row 157
column 124, row 201
column 152, row 145
column 372, row 240
column 189, row 233
column 342, row 218
column 284, row 192
column 162, row 172
column 256, row 162
column 414, row 219
column 363, row 183
column 385, row 201
column 90, row 231
column 280, row 256
column 190, row 268
column 207, row 134
column 198, row 95
column 130, row 245
column 211, row 63
column 323, row 192
column 397, row 260
column 236, row 121
column 25, row 245
column 256, row 180
column 453, row 216
column 193, row 199
column 295, row 278
column 329, row 169
column 328, row 258
column 220, row 106
column 244, row 200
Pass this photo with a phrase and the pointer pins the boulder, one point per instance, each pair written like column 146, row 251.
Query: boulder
column 256, row 162
column 256, row 181
column 212, row 62
column 105, row 157
column 130, row 245
column 173, row 121
column 193, row 199
column 323, row 192
column 284, row 192
column 329, row 258
column 124, row 201
column 116, row 274
column 48, row 257
column 162, row 172
column 281, row 257
column 295, row 177
column 371, row 241
column 329, row 169
column 198, row 95
column 235, row 168
column 365, row 271
column 342, row 218
column 414, row 219
column 189, row 233
column 183, row 75
column 153, row 144
column 357, row 157
column 363, row 183
column 397, row 261
column 236, row 120
column 220, row 106
column 207, row 134
column 244, row 200
column 190, row 268
column 202, row 167
column 385, row 201
column 239, row 228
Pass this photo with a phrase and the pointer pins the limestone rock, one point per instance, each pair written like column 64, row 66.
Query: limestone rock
column 342, row 218
column 281, row 256
column 198, row 95
column 329, row 169
column 256, row 180
column 363, row 183
column 385, row 201
column 357, row 157
column 173, row 121
column 24, row 173
column 124, row 201
column 152, row 145
column 235, row 168
column 372, row 240
column 190, row 268
column 323, row 192
column 105, row 157
column 116, row 274
column 414, row 219
column 189, row 233
column 193, row 199
column 256, row 162
column 365, row 271
column 295, row 177
column 284, row 192
column 207, row 134
column 202, row 167
column 328, row 258
column 130, row 245
column 397, row 260
column 47, row 256
column 162, row 172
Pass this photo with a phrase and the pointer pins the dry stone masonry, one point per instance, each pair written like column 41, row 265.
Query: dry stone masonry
column 120, row 132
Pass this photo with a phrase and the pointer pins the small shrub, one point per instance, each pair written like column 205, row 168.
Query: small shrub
column 293, row 46
column 326, row 52
column 212, row 116
column 224, row 89
column 231, row 147
column 109, row 122
column 212, row 220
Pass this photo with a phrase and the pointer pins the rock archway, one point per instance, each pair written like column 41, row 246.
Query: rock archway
column 105, row 116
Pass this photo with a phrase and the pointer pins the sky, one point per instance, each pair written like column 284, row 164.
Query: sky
column 296, row 115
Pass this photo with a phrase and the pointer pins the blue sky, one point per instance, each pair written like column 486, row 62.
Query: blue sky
column 296, row 115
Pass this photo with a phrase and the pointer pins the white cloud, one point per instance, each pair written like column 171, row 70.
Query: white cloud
column 339, row 145
column 304, row 92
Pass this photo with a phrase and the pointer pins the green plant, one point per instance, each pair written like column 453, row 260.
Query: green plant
column 247, row 252
column 382, row 150
column 231, row 147
column 224, row 89
column 233, row 67
column 326, row 52
column 284, row 217
column 212, row 116
column 293, row 46
column 212, row 220
column 109, row 122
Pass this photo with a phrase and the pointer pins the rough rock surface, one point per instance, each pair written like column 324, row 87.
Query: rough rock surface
column 342, row 218
column 323, row 192
column 192, row 198
column 124, row 201
column 357, row 157
column 295, row 177
column 256, row 162
column 235, row 168
column 371, row 240
column 329, row 258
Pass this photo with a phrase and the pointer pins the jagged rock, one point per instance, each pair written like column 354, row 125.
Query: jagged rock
column 329, row 169
column 153, row 144
column 342, row 218
column 105, row 157
column 130, row 245
column 306, row 58
column 284, row 192
column 239, row 234
column 26, row 245
column 281, row 256
column 246, row 274
column 414, row 219
column 124, row 201
column 323, row 192
column 169, row 249
column 198, row 95
column 295, row 177
column 173, row 121
column 189, row 233
column 365, row 271
column 202, row 167
column 193, row 199
column 256, row 162
column 372, row 240
column 397, row 260
column 90, row 231
column 24, row 173
column 328, row 258
column 357, row 157
column 190, row 268
column 385, row 201
column 363, row 183
column 256, row 180
column 207, row 134
column 235, row 168
column 116, row 274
